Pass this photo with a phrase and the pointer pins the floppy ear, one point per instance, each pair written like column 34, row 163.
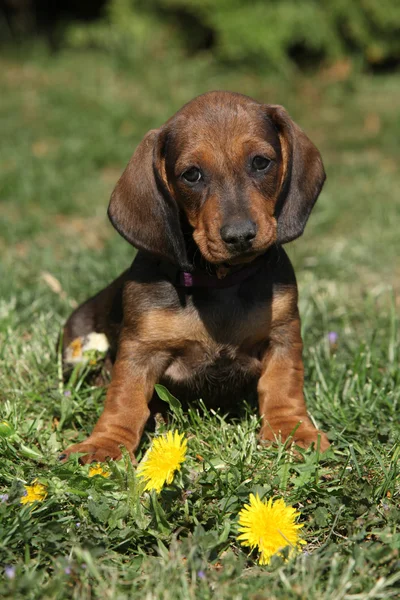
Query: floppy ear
column 303, row 176
column 141, row 208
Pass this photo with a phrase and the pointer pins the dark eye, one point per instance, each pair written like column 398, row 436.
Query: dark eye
column 260, row 163
column 192, row 175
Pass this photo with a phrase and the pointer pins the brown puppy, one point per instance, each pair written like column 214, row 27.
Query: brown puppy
column 209, row 306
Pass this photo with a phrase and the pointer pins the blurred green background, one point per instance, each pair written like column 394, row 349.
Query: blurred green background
column 258, row 33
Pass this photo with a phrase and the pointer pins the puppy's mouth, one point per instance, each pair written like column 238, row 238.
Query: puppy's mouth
column 232, row 258
column 235, row 258
column 245, row 257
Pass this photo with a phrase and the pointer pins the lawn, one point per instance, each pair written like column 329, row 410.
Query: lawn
column 69, row 124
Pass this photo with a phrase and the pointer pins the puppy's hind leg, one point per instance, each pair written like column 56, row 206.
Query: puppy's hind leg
column 95, row 325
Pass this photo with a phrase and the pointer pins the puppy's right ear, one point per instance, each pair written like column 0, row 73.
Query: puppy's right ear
column 304, row 176
column 141, row 208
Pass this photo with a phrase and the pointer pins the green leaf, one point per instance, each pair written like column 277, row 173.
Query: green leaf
column 159, row 514
column 225, row 532
column 321, row 516
column 99, row 510
column 173, row 403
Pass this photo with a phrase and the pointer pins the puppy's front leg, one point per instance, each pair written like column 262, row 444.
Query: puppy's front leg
column 280, row 390
column 126, row 411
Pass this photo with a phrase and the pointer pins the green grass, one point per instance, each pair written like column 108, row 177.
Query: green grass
column 69, row 124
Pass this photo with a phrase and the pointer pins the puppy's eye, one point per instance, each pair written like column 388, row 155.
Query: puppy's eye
column 260, row 163
column 192, row 175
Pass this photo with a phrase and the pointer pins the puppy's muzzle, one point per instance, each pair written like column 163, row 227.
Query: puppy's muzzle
column 238, row 235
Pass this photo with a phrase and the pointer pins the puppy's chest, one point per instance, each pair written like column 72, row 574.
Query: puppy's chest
column 216, row 345
column 200, row 363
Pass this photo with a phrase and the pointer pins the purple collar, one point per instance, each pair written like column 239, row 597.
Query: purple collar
column 202, row 279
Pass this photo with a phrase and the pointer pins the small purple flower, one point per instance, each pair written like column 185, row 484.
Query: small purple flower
column 333, row 338
column 67, row 393
column 3, row 497
column 201, row 575
column 68, row 570
column 9, row 572
column 77, row 524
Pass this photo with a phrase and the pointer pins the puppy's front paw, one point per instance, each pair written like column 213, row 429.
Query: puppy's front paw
column 316, row 437
column 94, row 450
column 302, row 434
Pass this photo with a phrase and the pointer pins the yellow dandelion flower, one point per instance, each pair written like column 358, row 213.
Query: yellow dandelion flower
column 97, row 469
column 36, row 492
column 270, row 527
column 164, row 458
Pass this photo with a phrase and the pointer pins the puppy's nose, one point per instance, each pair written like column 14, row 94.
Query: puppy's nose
column 239, row 233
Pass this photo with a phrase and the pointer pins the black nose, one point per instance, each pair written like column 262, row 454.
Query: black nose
column 239, row 233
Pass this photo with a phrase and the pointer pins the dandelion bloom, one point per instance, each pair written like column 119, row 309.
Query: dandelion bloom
column 164, row 458
column 36, row 492
column 97, row 469
column 270, row 527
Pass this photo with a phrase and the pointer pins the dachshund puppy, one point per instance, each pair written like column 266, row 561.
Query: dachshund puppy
column 209, row 306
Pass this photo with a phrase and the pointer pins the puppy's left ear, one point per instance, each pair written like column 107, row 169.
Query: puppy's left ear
column 303, row 176
column 143, row 210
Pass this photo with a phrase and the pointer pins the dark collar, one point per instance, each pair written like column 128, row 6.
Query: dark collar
column 200, row 278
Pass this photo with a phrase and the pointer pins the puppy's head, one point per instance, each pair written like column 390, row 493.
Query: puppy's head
column 242, row 174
